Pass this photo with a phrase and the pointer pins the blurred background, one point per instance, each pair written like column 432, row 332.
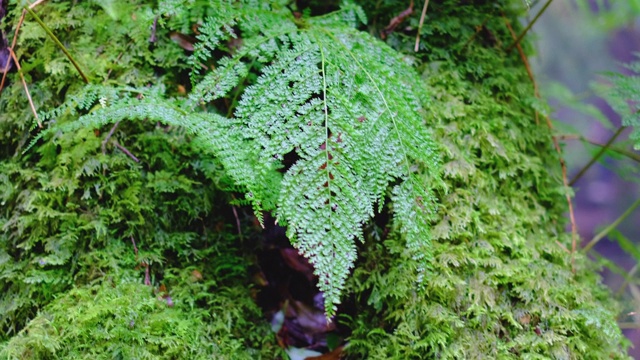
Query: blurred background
column 578, row 42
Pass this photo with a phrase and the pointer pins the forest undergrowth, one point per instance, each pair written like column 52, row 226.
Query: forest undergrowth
column 177, row 175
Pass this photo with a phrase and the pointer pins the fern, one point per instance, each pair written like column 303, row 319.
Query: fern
column 624, row 97
column 345, row 106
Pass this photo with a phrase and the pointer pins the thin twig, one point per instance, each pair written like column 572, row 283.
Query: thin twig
column 563, row 166
column 153, row 38
column 612, row 226
column 624, row 152
column 235, row 213
column 109, row 135
column 135, row 248
column 26, row 88
column 55, row 40
column 524, row 32
column 147, row 278
column 15, row 38
column 393, row 24
column 630, row 274
column 561, row 245
column 598, row 155
column 565, row 182
column 117, row 59
column 36, row 3
column 124, row 150
column 422, row 16
column 522, row 56
column 13, row 44
column 628, row 325
column 526, row 64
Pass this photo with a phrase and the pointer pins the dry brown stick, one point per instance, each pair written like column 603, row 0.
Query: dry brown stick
column 563, row 247
column 626, row 281
column 629, row 325
column 15, row 38
column 602, row 234
column 26, row 88
column 563, row 166
column 13, row 44
column 147, row 278
column 117, row 59
column 124, row 150
column 109, row 135
column 424, row 13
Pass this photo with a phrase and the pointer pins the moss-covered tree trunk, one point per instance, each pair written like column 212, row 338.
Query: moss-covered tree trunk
column 503, row 284
column 84, row 225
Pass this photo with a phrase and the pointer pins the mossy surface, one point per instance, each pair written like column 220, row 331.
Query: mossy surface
column 83, row 222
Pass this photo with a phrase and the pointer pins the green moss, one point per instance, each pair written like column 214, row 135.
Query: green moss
column 120, row 319
column 501, row 285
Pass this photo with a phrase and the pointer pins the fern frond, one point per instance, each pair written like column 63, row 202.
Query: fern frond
column 624, row 97
column 230, row 70
column 348, row 108
column 342, row 104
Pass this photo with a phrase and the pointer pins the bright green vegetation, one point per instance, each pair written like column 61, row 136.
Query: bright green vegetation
column 317, row 122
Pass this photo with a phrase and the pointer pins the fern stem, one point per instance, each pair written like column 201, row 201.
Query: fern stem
column 326, row 128
column 55, row 40
column 597, row 156
column 234, row 100
column 382, row 97
column 612, row 226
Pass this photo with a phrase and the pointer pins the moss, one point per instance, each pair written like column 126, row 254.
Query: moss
column 121, row 319
column 501, row 285
column 81, row 226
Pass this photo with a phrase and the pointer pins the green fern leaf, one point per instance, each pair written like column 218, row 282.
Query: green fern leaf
column 345, row 106
column 624, row 97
